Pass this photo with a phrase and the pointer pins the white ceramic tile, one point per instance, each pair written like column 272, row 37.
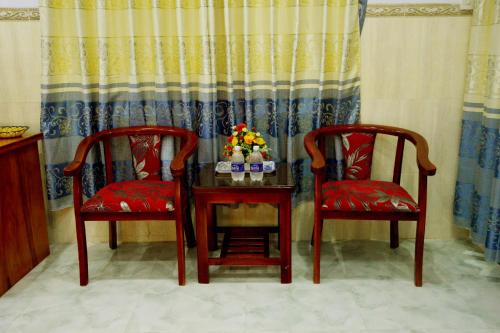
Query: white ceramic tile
column 365, row 287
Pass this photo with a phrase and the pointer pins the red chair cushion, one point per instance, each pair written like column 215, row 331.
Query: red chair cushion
column 357, row 149
column 133, row 196
column 146, row 156
column 367, row 195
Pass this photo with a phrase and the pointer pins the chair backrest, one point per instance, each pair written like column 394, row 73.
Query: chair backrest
column 146, row 158
column 358, row 142
column 356, row 149
column 188, row 143
column 145, row 144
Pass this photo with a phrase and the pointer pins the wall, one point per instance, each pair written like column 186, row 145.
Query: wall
column 413, row 72
column 20, row 70
column 413, row 77
column 18, row 3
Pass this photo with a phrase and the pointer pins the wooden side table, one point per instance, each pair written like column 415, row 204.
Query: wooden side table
column 23, row 227
column 211, row 189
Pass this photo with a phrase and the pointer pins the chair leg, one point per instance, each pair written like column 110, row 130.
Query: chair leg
column 312, row 236
column 211, row 226
column 419, row 250
column 113, row 244
column 82, row 251
column 394, row 235
column 188, row 227
column 318, row 227
column 181, row 264
column 279, row 233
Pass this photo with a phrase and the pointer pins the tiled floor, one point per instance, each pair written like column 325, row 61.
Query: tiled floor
column 365, row 287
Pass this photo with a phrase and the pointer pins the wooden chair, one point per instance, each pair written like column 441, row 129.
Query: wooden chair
column 348, row 199
column 153, row 199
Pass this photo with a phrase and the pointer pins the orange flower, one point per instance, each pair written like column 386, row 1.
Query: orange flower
column 249, row 139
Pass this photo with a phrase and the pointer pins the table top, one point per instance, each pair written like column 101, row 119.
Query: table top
column 207, row 178
column 8, row 145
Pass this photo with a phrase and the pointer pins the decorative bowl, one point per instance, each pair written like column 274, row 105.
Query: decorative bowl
column 8, row 132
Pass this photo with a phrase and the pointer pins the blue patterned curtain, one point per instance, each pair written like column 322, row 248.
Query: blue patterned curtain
column 285, row 68
column 477, row 194
column 362, row 13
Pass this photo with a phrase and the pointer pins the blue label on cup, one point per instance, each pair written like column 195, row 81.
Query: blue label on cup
column 237, row 167
column 256, row 167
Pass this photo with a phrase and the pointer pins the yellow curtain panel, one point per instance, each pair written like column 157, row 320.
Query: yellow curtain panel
column 202, row 42
column 283, row 66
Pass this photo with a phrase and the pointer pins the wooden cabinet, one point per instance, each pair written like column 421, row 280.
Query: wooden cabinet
column 23, row 226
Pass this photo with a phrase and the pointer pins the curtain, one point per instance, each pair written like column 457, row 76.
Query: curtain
column 283, row 66
column 477, row 194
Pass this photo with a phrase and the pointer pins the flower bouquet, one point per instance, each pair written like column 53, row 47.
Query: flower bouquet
column 246, row 139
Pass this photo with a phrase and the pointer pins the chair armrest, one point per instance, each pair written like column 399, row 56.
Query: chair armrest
column 82, row 150
column 318, row 160
column 190, row 145
column 424, row 164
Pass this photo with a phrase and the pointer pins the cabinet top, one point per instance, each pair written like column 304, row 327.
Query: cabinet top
column 8, row 145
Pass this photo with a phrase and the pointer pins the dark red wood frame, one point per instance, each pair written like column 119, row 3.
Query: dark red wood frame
column 207, row 198
column 315, row 145
column 181, row 214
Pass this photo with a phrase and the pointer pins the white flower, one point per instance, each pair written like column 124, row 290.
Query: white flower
column 257, row 134
column 235, row 133
column 234, row 127
column 245, row 129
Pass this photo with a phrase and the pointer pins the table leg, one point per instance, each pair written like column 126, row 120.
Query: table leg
column 279, row 219
column 201, row 235
column 211, row 225
column 285, row 239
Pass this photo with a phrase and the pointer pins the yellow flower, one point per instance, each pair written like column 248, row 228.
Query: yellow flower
column 249, row 138
column 235, row 141
column 260, row 141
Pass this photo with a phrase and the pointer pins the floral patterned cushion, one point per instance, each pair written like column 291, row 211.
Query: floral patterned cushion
column 146, row 156
column 133, row 196
column 367, row 195
column 357, row 149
